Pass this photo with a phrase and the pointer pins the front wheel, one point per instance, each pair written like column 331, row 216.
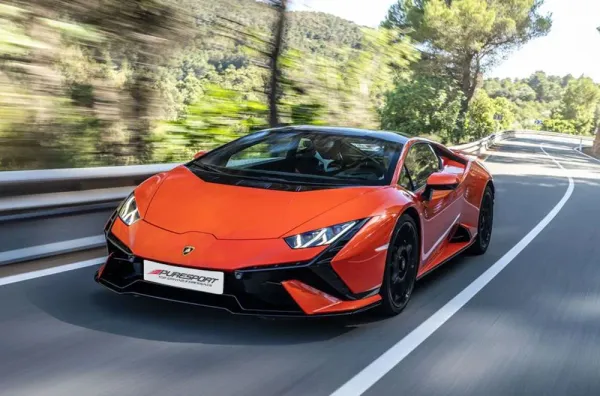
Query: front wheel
column 486, row 222
column 401, row 267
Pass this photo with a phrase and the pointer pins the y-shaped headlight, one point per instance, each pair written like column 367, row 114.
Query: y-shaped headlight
column 128, row 211
column 320, row 237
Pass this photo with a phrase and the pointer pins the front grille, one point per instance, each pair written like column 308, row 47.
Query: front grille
column 256, row 292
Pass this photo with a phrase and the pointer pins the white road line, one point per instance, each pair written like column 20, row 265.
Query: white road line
column 362, row 381
column 50, row 271
column 587, row 155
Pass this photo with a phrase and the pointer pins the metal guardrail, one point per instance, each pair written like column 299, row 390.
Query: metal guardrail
column 35, row 182
column 479, row 147
column 27, row 194
column 50, row 249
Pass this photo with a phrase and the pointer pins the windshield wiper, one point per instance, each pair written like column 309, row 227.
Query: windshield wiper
column 265, row 178
column 292, row 182
column 209, row 168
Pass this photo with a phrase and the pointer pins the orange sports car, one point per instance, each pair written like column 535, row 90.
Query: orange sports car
column 300, row 221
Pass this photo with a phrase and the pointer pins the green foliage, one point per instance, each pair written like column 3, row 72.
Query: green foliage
column 522, row 92
column 506, row 109
column 547, row 89
column 106, row 82
column 569, row 109
column 430, row 106
column 307, row 114
column 534, row 98
column 352, row 91
column 537, row 87
column 422, row 106
column 462, row 39
column 559, row 125
column 480, row 118
column 579, row 104
column 218, row 117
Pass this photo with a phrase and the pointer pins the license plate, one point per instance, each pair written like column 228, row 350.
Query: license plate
column 185, row 278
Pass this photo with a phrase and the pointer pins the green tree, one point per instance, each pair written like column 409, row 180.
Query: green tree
column 494, row 88
column 566, row 80
column 579, row 104
column 523, row 92
column 487, row 115
column 423, row 106
column 463, row 38
column 546, row 89
column 506, row 109
column 480, row 118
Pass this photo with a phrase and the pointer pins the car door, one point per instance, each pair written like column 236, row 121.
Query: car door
column 441, row 212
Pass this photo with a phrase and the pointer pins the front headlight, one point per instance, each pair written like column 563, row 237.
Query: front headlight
column 320, row 237
column 128, row 211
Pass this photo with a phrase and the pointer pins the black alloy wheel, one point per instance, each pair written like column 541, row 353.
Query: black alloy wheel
column 401, row 267
column 486, row 223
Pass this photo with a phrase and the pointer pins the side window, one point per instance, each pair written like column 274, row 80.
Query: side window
column 421, row 162
column 405, row 179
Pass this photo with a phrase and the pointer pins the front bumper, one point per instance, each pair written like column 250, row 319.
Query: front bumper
column 299, row 289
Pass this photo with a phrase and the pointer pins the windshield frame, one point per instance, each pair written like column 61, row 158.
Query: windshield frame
column 256, row 138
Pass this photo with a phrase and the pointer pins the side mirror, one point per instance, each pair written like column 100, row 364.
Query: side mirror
column 439, row 181
column 199, row 154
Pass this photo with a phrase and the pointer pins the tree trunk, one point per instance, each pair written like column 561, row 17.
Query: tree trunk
column 466, row 87
column 468, row 84
column 141, row 94
column 462, row 118
column 275, row 71
column 596, row 148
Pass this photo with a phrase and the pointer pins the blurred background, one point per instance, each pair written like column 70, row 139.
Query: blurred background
column 107, row 82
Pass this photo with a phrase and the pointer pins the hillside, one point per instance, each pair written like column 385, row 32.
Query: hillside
column 103, row 88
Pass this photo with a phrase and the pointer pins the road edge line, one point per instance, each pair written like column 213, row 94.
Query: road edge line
column 377, row 369
column 587, row 155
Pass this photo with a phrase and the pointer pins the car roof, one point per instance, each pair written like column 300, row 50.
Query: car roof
column 389, row 136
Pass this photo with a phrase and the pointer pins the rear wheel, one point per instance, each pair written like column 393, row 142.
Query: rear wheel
column 486, row 222
column 401, row 267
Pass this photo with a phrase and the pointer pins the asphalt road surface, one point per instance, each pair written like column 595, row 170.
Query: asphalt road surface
column 534, row 329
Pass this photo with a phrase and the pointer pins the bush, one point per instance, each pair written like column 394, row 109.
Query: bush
column 423, row 106
column 559, row 125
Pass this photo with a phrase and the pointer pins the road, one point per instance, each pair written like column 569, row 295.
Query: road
column 532, row 330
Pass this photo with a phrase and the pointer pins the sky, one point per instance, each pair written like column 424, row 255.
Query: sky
column 572, row 46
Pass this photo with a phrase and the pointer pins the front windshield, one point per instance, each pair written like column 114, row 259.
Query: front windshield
column 306, row 157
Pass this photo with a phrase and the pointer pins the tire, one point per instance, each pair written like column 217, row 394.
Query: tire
column 401, row 267
column 485, row 224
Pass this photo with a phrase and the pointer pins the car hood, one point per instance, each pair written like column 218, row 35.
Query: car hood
column 185, row 203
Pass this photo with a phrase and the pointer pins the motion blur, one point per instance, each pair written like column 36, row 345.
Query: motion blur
column 105, row 82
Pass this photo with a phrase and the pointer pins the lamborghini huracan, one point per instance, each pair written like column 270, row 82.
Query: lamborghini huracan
column 300, row 221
